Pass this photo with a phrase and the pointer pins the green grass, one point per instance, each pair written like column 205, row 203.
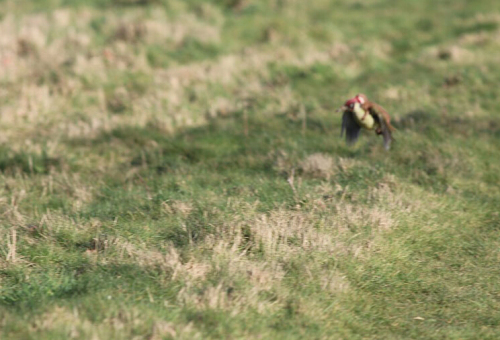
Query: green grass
column 173, row 169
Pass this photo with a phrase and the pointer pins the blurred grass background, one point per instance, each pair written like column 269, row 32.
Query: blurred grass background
column 173, row 169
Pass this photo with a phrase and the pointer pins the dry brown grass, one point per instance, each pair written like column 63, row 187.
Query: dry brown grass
column 28, row 56
column 128, row 209
column 318, row 165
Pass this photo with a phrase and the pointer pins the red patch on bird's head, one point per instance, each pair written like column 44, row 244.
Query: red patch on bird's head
column 350, row 103
column 359, row 98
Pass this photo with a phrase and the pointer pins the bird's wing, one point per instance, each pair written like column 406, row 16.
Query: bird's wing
column 351, row 128
column 385, row 124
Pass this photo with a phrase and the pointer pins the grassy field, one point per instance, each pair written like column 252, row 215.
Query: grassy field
column 172, row 169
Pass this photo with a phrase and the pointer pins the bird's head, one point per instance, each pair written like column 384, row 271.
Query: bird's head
column 359, row 98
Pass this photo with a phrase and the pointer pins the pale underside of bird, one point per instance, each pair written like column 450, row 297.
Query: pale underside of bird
column 360, row 113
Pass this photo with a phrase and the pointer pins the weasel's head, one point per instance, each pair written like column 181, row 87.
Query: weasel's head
column 361, row 98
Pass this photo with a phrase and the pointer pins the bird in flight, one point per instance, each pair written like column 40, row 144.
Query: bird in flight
column 359, row 113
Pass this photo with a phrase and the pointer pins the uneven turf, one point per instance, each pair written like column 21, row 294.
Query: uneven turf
column 172, row 169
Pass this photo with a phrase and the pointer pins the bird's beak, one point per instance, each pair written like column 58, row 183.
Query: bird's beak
column 342, row 108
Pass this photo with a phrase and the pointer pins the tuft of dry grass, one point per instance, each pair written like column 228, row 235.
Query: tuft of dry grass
column 318, row 165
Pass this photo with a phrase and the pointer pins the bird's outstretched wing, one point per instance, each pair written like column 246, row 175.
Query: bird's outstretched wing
column 383, row 118
column 350, row 126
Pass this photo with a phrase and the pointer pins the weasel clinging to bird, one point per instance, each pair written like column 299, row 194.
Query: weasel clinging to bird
column 359, row 113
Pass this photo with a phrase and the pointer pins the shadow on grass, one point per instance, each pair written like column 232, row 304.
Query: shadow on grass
column 428, row 124
column 12, row 162
column 250, row 162
column 205, row 167
column 41, row 287
column 253, row 159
